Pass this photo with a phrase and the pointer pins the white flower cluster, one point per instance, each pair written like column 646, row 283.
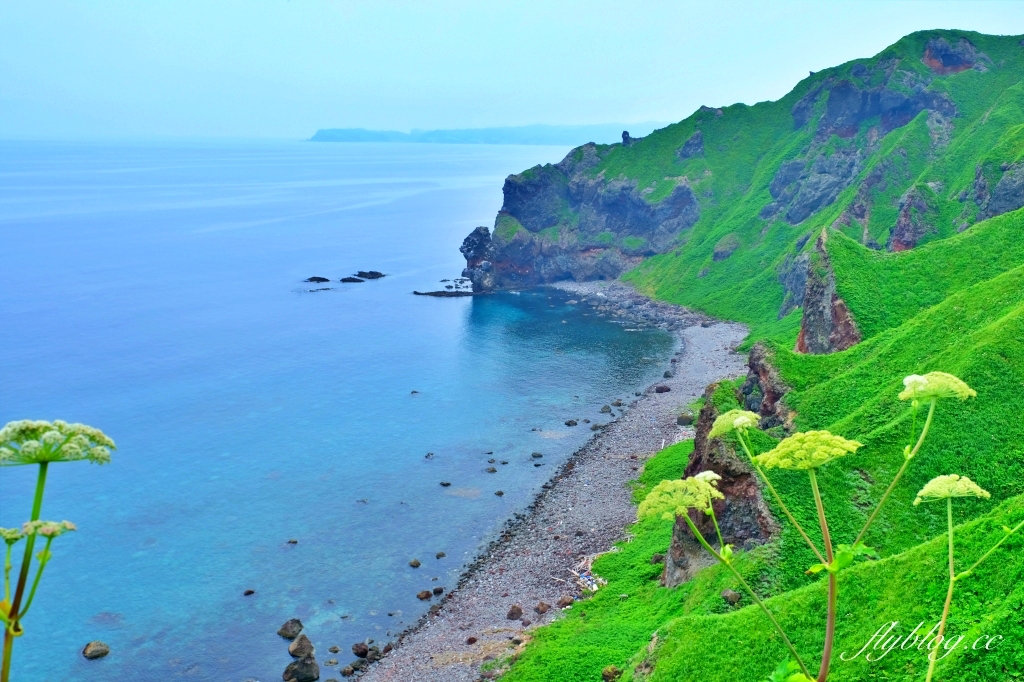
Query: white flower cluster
column 35, row 441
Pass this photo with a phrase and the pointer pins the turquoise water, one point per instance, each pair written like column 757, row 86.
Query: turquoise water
column 155, row 291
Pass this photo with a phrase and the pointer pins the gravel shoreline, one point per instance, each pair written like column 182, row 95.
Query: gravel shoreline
column 581, row 511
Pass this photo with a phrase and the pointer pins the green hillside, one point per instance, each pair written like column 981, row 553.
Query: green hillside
column 926, row 248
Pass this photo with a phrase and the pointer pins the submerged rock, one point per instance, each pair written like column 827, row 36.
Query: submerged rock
column 369, row 274
column 360, row 649
column 352, row 280
column 317, row 279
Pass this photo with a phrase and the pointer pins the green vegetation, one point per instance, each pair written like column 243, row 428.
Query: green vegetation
column 506, row 227
column 954, row 303
column 38, row 443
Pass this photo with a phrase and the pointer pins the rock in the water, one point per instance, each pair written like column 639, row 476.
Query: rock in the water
column 610, row 674
column 360, row 649
column 95, row 649
column 415, row 563
column 423, row 595
column 291, row 629
column 570, row 422
column 249, row 593
column 667, row 375
column 352, row 280
column 536, row 455
column 359, row 663
column 564, row 601
column 304, row 669
column 491, row 470
column 606, row 409
column 369, row 274
column 348, row 671
column 542, row 608
column 331, row 661
column 438, row 590
column 300, row 646
column 499, row 493
column 440, row 555
column 731, row 596
column 445, row 484
column 318, row 279
column 373, row 654
column 515, row 613
column 616, row 403
column 334, row 649
column 662, row 389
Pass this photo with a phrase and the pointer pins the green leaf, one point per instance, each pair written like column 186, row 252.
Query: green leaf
column 788, row 671
column 726, row 553
column 816, row 568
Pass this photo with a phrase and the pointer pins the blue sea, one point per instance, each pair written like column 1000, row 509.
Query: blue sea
column 156, row 291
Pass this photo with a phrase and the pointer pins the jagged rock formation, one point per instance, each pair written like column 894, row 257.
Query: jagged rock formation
column 743, row 516
column 764, row 390
column 916, row 219
column 826, row 325
column 1006, row 196
column 561, row 222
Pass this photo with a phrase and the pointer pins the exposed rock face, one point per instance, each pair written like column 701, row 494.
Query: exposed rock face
column 801, row 188
column 557, row 222
column 743, row 516
column 793, row 277
column 764, row 390
column 826, row 326
column 291, row 629
column 1006, row 196
column 943, row 58
column 916, row 219
column 300, row 646
column 693, row 147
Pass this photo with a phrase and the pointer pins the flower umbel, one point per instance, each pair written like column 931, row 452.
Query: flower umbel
column 950, row 485
column 807, row 450
column 934, row 385
column 36, row 441
column 48, row 529
column 11, row 535
column 733, row 420
column 674, row 497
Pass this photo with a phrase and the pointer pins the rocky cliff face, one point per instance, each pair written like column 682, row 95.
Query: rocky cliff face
column 827, row 325
column 743, row 516
column 562, row 222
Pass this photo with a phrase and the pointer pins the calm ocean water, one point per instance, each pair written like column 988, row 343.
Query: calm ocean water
column 155, row 291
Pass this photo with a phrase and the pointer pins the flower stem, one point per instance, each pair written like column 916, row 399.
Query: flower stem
column 899, row 474
column 778, row 499
column 933, row 657
column 750, row 591
column 39, row 574
column 984, row 556
column 830, row 622
column 14, row 626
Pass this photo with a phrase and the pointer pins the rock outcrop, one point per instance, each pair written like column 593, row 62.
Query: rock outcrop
column 1006, row 196
column 764, row 390
column 827, row 325
column 915, row 220
column 558, row 222
column 743, row 516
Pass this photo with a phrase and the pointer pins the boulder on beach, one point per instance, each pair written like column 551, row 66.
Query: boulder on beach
column 360, row 649
column 542, row 608
column 565, row 601
column 304, row 669
column 685, row 419
column 95, row 649
column 662, row 389
column 291, row 629
column 300, row 646
column 515, row 613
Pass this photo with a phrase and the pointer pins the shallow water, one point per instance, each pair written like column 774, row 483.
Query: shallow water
column 155, row 291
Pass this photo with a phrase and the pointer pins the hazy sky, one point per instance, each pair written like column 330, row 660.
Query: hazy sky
column 255, row 68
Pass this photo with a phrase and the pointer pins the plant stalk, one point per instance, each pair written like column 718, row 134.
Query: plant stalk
column 934, row 656
column 750, row 591
column 899, row 474
column 13, row 616
column 778, row 499
column 830, row 622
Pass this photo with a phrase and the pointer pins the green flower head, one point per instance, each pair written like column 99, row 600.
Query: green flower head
column 35, row 442
column 950, row 485
column 807, row 450
column 733, row 420
column 11, row 535
column 673, row 498
column 48, row 529
column 934, row 385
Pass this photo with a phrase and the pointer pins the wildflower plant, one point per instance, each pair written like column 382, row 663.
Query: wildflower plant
column 947, row 488
column 39, row 443
column 809, row 451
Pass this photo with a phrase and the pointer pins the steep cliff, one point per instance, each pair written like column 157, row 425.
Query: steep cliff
column 895, row 151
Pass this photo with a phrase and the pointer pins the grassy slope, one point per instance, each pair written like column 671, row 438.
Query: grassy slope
column 955, row 303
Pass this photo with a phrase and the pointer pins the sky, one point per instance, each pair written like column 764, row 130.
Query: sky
column 276, row 69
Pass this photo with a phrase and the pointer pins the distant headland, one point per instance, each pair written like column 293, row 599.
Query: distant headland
column 603, row 133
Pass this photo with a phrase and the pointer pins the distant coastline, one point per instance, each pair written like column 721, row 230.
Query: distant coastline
column 604, row 133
